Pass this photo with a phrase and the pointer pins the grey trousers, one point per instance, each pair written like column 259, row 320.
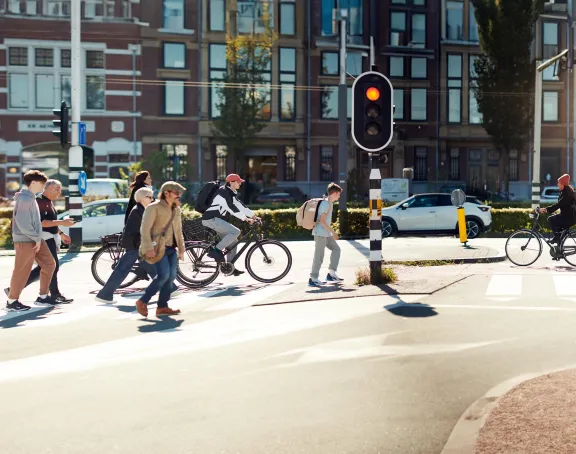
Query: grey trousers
column 321, row 243
column 228, row 234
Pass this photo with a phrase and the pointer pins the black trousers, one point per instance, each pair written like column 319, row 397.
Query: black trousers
column 558, row 223
column 35, row 273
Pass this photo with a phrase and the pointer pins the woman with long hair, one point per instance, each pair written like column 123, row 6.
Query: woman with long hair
column 141, row 180
column 566, row 200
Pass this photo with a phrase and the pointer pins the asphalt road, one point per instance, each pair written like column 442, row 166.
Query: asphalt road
column 365, row 375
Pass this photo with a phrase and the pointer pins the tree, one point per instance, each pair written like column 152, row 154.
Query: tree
column 244, row 93
column 504, row 86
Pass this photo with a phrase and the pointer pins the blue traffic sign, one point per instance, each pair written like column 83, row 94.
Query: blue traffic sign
column 82, row 182
column 81, row 133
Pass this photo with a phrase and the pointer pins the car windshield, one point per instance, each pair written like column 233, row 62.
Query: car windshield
column 552, row 192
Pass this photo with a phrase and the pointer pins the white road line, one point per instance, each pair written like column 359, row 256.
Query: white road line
column 250, row 298
column 504, row 287
column 565, row 286
column 511, row 308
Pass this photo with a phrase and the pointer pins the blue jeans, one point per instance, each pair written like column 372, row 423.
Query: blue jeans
column 166, row 270
column 122, row 270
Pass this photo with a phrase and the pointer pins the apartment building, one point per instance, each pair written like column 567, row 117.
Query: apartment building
column 35, row 65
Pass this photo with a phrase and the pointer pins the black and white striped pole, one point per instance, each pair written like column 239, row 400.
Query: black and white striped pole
column 372, row 130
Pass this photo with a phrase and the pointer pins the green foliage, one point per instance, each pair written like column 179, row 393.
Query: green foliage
column 505, row 72
column 133, row 169
column 5, row 233
column 156, row 163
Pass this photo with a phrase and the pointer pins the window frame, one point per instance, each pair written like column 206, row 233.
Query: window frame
column 557, row 116
column 324, row 176
column 170, row 168
column 450, row 89
column 472, row 82
column 460, row 38
column 281, row 4
column 164, row 98
column 403, row 66
column 210, row 8
column 412, row 68
column 165, row 25
column 412, row 90
column 401, row 91
column 173, row 43
column 212, row 91
column 290, row 176
column 281, row 83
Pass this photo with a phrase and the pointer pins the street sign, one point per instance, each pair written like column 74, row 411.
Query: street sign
column 81, row 133
column 458, row 197
column 82, row 183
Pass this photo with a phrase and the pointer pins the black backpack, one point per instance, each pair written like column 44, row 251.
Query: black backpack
column 206, row 196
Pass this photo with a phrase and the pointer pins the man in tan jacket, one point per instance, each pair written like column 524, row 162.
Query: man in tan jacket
column 156, row 217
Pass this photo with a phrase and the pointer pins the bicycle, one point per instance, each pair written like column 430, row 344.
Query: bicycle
column 566, row 246
column 197, row 251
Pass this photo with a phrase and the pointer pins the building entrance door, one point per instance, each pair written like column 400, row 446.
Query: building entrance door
column 262, row 170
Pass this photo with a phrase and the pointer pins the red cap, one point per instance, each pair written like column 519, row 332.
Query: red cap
column 233, row 177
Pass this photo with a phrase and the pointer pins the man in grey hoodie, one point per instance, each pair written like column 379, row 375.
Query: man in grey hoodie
column 28, row 243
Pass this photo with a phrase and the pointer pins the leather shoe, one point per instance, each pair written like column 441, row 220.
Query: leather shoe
column 142, row 308
column 166, row 311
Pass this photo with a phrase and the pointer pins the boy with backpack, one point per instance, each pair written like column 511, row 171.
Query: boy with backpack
column 325, row 238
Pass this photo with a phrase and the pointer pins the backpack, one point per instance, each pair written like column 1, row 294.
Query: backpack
column 307, row 214
column 206, row 196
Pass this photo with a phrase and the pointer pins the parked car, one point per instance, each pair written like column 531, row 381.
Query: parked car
column 274, row 197
column 434, row 213
column 100, row 218
column 281, row 193
column 550, row 193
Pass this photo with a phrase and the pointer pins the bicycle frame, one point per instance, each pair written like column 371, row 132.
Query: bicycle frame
column 252, row 235
column 536, row 226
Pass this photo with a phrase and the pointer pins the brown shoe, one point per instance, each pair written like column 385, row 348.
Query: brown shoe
column 166, row 311
column 142, row 308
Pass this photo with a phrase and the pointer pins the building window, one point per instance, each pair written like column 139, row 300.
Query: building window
column 44, row 91
column 397, row 28
column 474, row 116
column 513, row 166
column 420, row 164
column 174, row 97
column 287, row 17
column 265, row 93
column 174, row 55
column 287, row 83
column 290, row 163
column 354, row 63
column 550, row 106
column 95, row 92
column 330, row 12
column 454, row 173
column 550, row 41
column 94, row 59
column 398, row 104
column 454, row 88
column 418, row 32
column 396, row 67
column 221, row 159
column 218, row 66
column 44, row 57
column 330, row 103
column 18, row 56
column 255, row 16
column 330, row 63
column 418, row 68
column 173, row 14
column 66, row 89
column 326, row 157
column 57, row 8
column 418, row 104
column 65, row 58
column 217, row 15
column 177, row 169
column 99, row 8
column 18, row 89
column 455, row 20
column 472, row 24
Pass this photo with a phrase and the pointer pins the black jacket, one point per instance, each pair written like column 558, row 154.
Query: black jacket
column 566, row 201
column 226, row 203
column 132, row 201
column 131, row 235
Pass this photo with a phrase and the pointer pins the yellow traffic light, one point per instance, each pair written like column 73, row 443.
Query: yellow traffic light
column 373, row 94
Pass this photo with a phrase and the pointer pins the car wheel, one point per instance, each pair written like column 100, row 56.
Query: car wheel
column 387, row 228
column 472, row 228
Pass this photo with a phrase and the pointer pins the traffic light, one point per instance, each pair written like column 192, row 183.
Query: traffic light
column 61, row 124
column 372, row 111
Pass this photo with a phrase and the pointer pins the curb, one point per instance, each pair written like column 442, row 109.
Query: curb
column 458, row 261
column 465, row 434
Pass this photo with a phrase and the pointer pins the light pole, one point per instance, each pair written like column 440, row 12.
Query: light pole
column 343, row 116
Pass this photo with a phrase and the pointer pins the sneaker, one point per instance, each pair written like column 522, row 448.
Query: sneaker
column 7, row 291
column 102, row 300
column 61, row 299
column 333, row 277
column 217, row 255
column 315, row 283
column 48, row 301
column 17, row 306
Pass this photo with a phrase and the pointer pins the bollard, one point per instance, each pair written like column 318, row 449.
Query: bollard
column 462, row 225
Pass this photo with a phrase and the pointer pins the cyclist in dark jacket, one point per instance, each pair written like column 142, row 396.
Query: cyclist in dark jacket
column 566, row 200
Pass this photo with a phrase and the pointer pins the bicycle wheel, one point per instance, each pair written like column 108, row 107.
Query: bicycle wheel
column 104, row 261
column 198, row 270
column 568, row 248
column 275, row 258
column 526, row 242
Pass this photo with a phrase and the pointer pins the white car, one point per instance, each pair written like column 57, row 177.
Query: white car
column 550, row 193
column 434, row 213
column 100, row 218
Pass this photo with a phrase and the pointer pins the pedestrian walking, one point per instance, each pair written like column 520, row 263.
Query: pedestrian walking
column 29, row 245
column 141, row 180
column 326, row 238
column 161, row 236
column 131, row 243
column 52, row 235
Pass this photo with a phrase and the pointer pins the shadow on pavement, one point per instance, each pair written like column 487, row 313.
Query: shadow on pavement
column 160, row 325
column 415, row 310
column 14, row 320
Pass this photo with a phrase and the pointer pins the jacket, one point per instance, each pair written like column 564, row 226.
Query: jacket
column 566, row 201
column 131, row 236
column 132, row 202
column 26, row 223
column 156, row 216
column 226, row 203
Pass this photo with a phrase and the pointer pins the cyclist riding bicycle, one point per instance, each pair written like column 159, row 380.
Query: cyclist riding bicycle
column 224, row 204
column 566, row 200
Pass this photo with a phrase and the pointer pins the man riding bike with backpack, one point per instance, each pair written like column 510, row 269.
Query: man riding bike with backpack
column 216, row 205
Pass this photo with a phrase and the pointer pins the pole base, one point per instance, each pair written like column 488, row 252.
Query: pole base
column 375, row 273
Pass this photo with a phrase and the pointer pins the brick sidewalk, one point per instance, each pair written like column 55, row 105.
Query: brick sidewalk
column 536, row 417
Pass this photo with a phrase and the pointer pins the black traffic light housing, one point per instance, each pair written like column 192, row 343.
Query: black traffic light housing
column 372, row 111
column 61, row 124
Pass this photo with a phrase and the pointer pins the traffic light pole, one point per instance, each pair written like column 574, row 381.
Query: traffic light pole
column 343, row 118
column 375, row 220
column 75, row 156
